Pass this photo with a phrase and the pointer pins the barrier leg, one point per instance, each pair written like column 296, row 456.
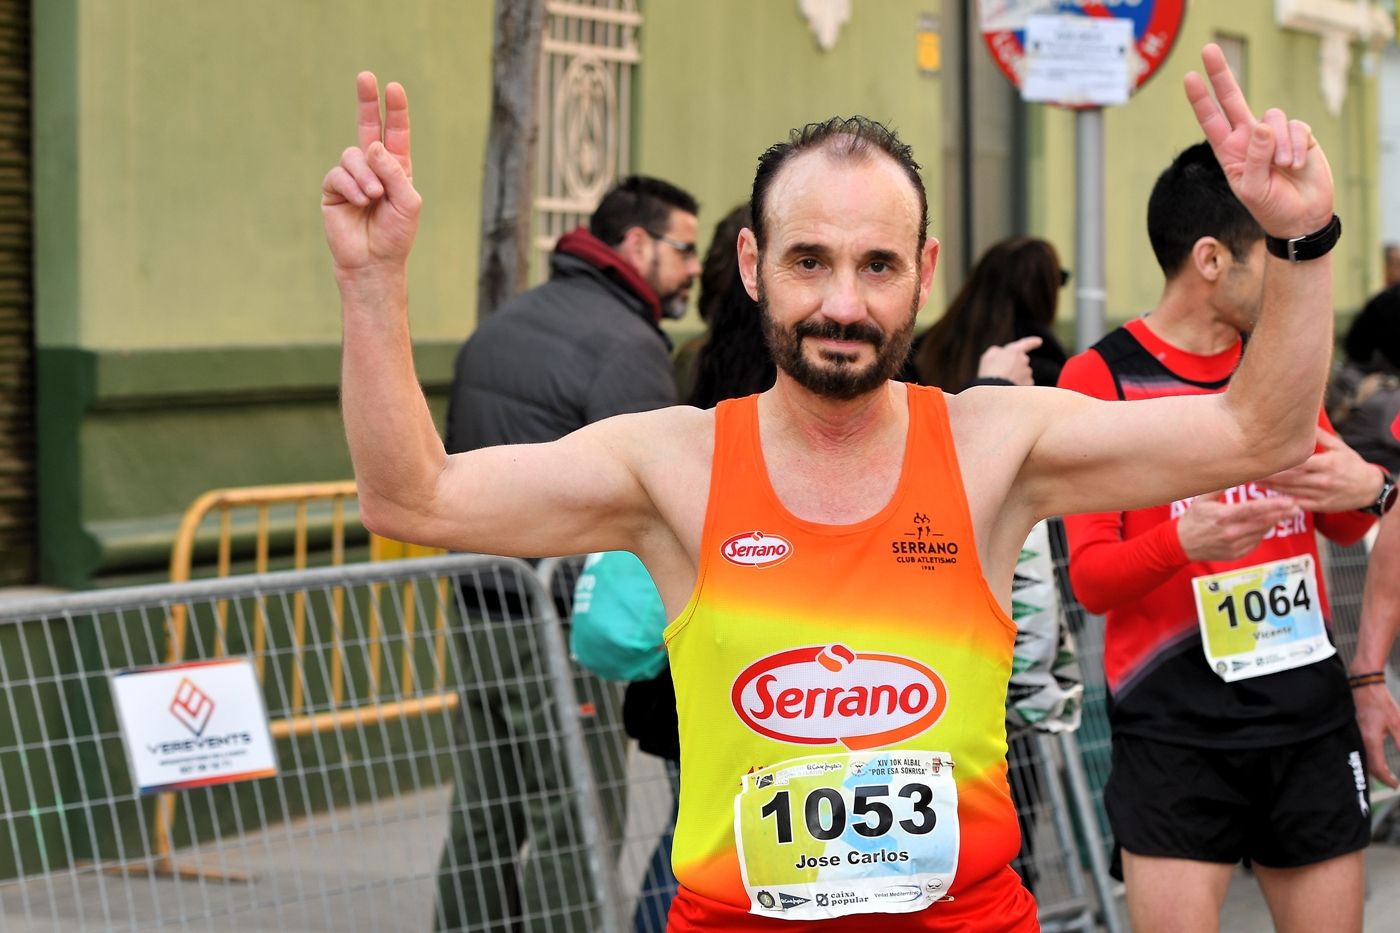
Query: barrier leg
column 1089, row 822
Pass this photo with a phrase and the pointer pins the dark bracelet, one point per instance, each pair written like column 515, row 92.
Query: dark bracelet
column 1366, row 680
column 1309, row 246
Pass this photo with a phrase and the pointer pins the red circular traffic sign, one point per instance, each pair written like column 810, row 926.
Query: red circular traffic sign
column 1155, row 26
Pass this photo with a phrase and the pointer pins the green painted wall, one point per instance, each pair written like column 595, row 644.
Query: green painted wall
column 204, row 130
column 722, row 81
column 186, row 317
column 187, row 321
column 1143, row 136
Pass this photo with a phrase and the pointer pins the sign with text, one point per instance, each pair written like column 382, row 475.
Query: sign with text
column 1077, row 60
column 1153, row 23
column 194, row 724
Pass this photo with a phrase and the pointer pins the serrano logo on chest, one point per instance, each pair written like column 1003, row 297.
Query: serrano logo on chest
column 822, row 695
column 756, row 549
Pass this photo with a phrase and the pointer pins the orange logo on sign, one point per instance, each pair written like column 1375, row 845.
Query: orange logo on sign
column 192, row 706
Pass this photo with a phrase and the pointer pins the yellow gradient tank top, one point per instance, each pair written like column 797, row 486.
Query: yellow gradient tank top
column 841, row 692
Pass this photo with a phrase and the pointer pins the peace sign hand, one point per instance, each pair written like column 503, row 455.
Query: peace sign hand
column 368, row 203
column 1274, row 165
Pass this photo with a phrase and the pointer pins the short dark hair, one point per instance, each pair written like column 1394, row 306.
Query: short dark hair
column 638, row 201
column 846, row 139
column 1190, row 200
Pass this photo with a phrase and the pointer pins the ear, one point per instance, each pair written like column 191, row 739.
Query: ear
column 928, row 264
column 748, row 261
column 636, row 247
column 1209, row 258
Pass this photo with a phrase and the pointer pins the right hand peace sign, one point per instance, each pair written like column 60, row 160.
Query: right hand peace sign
column 368, row 203
column 1274, row 165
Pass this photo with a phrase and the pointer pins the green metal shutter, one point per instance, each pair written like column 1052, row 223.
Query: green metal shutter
column 17, row 481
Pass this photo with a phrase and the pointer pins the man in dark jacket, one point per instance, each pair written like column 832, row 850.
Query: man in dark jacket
column 584, row 346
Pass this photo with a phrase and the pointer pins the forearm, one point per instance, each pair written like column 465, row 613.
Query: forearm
column 1274, row 397
column 394, row 446
column 1107, row 571
column 1380, row 606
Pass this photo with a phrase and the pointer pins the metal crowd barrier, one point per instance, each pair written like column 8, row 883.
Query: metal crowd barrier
column 350, row 834
column 394, row 810
column 262, row 519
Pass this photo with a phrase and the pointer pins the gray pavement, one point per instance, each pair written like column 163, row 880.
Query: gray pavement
column 371, row 868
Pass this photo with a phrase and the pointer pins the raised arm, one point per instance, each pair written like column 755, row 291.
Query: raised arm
column 578, row 494
column 1096, row 456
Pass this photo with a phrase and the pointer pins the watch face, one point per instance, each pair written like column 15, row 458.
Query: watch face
column 1387, row 498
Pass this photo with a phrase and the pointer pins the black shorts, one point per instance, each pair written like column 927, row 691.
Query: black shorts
column 1282, row 807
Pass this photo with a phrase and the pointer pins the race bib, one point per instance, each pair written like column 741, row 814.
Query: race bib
column 832, row 835
column 1261, row 620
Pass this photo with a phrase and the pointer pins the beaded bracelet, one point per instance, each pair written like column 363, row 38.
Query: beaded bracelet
column 1366, row 680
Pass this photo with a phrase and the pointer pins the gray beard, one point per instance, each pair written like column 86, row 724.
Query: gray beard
column 674, row 308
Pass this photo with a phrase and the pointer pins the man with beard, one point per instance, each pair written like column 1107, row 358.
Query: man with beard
column 836, row 553
column 584, row 346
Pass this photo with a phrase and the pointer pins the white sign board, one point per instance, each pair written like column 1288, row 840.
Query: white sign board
column 1077, row 60
column 193, row 725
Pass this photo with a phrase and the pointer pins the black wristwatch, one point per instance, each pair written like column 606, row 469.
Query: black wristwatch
column 1386, row 498
column 1311, row 246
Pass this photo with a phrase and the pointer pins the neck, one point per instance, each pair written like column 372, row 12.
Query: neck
column 1186, row 319
column 832, row 426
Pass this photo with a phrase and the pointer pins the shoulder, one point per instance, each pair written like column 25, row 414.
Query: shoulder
column 1088, row 373
column 661, row 433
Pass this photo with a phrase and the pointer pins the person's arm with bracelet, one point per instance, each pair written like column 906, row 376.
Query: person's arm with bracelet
column 1376, row 710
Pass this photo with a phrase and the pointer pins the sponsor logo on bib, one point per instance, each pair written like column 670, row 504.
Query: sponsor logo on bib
column 756, row 549
column 829, row 694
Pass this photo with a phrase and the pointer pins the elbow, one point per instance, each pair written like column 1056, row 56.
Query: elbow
column 379, row 516
column 1284, row 453
column 1088, row 593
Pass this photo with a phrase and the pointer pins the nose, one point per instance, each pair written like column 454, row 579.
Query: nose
column 843, row 302
column 692, row 266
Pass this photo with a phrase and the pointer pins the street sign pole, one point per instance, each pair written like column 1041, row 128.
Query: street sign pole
column 1084, row 56
column 1091, row 297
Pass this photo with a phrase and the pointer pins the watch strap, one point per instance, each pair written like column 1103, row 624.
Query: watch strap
column 1385, row 499
column 1310, row 246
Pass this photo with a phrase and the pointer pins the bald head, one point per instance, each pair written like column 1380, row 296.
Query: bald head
column 840, row 140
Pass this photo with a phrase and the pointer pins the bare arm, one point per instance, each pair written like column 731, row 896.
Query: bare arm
column 1088, row 455
column 577, row 494
column 1376, row 711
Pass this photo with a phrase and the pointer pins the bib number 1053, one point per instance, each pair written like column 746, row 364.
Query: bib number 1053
column 824, row 812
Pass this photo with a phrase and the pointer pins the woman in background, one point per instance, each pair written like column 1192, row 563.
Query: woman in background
column 1007, row 304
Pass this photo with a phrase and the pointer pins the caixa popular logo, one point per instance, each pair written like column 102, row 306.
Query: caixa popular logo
column 756, row 549
column 829, row 694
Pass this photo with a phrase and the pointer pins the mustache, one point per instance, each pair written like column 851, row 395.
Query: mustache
column 830, row 330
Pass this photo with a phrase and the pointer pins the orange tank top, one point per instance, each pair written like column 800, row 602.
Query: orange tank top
column 841, row 692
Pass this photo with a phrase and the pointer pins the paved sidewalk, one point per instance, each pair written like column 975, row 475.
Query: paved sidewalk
column 373, row 870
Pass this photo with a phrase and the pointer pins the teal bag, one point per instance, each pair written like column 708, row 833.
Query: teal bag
column 618, row 618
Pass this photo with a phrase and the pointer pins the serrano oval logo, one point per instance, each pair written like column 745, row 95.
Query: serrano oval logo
column 824, row 695
column 756, row 549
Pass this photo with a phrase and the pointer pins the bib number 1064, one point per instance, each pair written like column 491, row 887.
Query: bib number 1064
column 1257, row 607
column 824, row 812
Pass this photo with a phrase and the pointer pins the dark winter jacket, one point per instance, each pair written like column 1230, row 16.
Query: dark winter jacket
column 582, row 347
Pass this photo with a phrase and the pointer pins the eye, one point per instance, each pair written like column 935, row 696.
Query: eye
column 879, row 267
column 807, row 263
